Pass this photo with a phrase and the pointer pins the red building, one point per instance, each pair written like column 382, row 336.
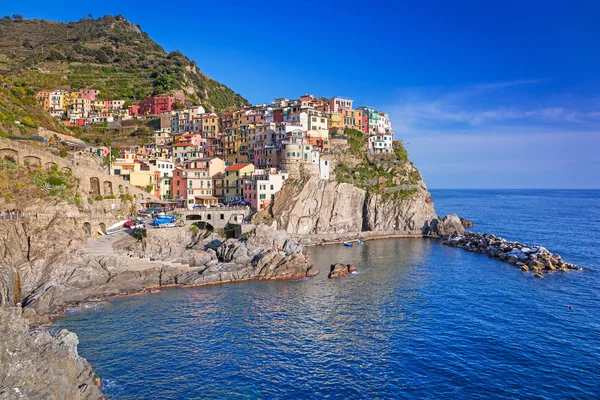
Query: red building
column 179, row 185
column 133, row 110
column 159, row 104
column 278, row 115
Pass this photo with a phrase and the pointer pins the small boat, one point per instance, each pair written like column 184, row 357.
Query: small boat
column 168, row 221
column 116, row 227
column 348, row 244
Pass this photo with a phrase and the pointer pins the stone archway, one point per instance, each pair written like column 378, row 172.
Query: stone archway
column 102, row 227
column 10, row 154
column 204, row 226
column 33, row 161
column 51, row 165
column 95, row 186
column 87, row 229
column 194, row 217
column 107, row 188
column 120, row 189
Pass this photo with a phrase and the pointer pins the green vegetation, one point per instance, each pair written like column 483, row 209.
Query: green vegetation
column 56, row 183
column 110, row 54
column 149, row 188
column 366, row 175
column 400, row 150
column 126, row 198
column 19, row 113
column 356, row 141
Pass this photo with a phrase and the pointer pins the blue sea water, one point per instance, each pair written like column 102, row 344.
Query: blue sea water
column 419, row 320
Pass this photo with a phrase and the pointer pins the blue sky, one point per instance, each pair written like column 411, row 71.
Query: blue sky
column 502, row 95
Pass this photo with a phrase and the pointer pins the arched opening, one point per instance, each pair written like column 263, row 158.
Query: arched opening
column 102, row 228
column 222, row 216
column 87, row 229
column 32, row 161
column 204, row 226
column 107, row 189
column 208, row 217
column 10, row 154
column 50, row 165
column 121, row 189
column 196, row 217
column 127, row 189
column 95, row 186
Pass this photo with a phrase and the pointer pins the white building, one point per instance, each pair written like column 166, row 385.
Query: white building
column 380, row 143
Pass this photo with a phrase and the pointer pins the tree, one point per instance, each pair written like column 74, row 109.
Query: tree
column 17, row 17
column 102, row 57
column 63, row 152
column 26, row 43
column 178, row 105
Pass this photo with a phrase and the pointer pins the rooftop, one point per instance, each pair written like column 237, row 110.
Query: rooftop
column 236, row 167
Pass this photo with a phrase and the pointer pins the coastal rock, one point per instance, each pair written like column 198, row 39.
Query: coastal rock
column 449, row 225
column 528, row 258
column 339, row 270
column 466, row 223
column 38, row 365
column 315, row 206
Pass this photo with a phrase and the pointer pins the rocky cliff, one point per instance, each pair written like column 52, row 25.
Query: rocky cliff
column 37, row 365
column 315, row 206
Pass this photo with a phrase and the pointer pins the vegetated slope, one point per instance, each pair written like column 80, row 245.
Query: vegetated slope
column 20, row 114
column 110, row 54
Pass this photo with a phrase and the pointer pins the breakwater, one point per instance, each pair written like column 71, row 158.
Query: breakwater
column 529, row 258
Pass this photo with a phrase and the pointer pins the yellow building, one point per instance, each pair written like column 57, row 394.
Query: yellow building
column 234, row 180
column 69, row 99
column 142, row 179
column 210, row 125
column 231, row 145
column 335, row 120
column 238, row 118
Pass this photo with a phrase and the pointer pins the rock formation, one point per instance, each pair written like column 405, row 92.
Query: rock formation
column 37, row 365
column 528, row 258
column 315, row 206
column 339, row 270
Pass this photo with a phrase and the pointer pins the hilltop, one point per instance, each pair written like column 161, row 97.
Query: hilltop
column 110, row 54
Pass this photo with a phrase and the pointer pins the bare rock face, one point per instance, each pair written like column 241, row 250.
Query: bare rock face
column 41, row 366
column 316, row 206
column 339, row 270
column 449, row 225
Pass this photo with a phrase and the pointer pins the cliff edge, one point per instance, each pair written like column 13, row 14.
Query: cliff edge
column 376, row 193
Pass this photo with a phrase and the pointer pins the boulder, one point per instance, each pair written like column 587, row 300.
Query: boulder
column 339, row 270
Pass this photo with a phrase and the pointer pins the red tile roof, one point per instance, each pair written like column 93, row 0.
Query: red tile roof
column 236, row 167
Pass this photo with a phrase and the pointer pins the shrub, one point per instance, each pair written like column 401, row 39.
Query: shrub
column 63, row 152
column 99, row 198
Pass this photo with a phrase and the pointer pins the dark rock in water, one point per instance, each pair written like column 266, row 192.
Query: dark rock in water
column 339, row 270
column 466, row 223
column 528, row 258
column 41, row 366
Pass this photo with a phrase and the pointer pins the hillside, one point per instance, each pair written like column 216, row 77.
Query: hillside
column 110, row 54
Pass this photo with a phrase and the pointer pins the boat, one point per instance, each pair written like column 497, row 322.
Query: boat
column 116, row 227
column 348, row 244
column 168, row 221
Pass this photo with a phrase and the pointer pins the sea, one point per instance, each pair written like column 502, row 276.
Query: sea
column 419, row 320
